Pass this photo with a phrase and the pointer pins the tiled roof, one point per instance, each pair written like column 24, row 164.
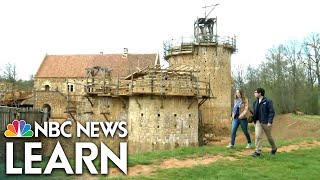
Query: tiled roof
column 75, row 65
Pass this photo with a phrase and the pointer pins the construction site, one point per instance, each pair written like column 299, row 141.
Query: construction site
column 164, row 107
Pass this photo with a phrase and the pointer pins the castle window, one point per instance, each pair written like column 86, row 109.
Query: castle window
column 47, row 88
column 70, row 88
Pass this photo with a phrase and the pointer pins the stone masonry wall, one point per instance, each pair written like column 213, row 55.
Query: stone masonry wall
column 60, row 84
column 56, row 101
column 152, row 127
column 213, row 61
column 113, row 110
column 56, row 96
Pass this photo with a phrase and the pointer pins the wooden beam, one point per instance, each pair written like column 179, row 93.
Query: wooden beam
column 138, row 103
column 195, row 99
column 72, row 117
column 105, row 116
column 202, row 101
column 90, row 101
column 124, row 104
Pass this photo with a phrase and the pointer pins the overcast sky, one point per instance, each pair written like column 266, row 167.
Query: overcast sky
column 30, row 29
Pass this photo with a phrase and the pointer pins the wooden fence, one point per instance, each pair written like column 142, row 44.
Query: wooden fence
column 30, row 115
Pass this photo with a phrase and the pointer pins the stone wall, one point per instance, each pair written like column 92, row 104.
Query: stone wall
column 56, row 94
column 214, row 63
column 68, row 144
column 152, row 127
column 56, row 101
column 60, row 84
column 102, row 109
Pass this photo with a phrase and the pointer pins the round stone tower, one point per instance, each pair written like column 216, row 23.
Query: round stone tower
column 211, row 55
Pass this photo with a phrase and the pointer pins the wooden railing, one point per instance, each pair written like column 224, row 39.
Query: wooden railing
column 186, row 44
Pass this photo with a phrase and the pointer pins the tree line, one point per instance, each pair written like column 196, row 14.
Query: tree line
column 290, row 75
column 9, row 74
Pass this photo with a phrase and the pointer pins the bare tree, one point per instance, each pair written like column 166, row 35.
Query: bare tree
column 276, row 64
column 312, row 49
column 292, row 53
column 10, row 73
column 252, row 82
column 238, row 74
column 290, row 75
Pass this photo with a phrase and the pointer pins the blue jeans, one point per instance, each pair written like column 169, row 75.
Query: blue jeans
column 244, row 126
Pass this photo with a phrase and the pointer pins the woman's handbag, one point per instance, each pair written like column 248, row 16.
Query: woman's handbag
column 249, row 115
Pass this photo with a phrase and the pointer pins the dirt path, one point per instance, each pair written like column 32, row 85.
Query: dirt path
column 289, row 148
column 146, row 170
column 169, row 163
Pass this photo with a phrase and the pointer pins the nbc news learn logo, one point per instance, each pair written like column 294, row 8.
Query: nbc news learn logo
column 18, row 129
column 53, row 130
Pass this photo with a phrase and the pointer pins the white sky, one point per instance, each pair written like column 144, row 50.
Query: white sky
column 30, row 29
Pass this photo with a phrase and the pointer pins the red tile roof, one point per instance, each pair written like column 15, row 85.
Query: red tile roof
column 75, row 65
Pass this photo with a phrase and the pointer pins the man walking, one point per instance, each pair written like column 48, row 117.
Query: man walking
column 263, row 114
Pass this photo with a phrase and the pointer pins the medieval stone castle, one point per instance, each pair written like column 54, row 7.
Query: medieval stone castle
column 164, row 107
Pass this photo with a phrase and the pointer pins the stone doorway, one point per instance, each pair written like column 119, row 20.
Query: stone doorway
column 46, row 112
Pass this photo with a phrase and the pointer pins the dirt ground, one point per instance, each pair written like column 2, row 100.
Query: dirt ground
column 284, row 127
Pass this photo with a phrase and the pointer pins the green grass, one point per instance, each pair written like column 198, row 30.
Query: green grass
column 309, row 118
column 179, row 153
column 281, row 142
column 251, row 128
column 157, row 157
column 301, row 164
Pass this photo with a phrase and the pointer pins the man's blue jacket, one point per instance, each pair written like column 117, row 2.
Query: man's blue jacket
column 265, row 109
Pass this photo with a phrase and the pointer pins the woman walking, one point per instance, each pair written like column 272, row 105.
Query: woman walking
column 240, row 109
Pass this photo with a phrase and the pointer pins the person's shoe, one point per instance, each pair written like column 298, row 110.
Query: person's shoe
column 230, row 146
column 273, row 152
column 249, row 145
column 256, row 154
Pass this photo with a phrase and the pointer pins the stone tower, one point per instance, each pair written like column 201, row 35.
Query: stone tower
column 211, row 55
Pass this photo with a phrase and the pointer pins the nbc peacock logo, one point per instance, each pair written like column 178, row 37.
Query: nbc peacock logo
column 18, row 129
